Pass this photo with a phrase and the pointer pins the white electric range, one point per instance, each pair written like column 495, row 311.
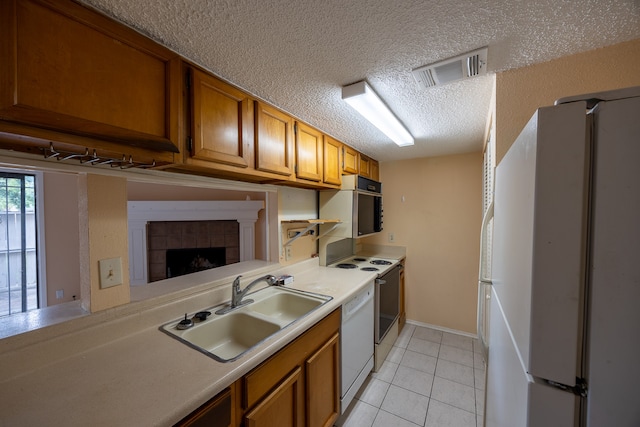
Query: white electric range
column 380, row 265
column 386, row 299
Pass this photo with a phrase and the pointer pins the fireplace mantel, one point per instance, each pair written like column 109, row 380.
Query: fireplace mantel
column 142, row 212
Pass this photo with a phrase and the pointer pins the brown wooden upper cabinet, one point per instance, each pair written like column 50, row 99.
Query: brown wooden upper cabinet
column 68, row 69
column 364, row 165
column 375, row 170
column 349, row 160
column 273, row 140
column 309, row 152
column 332, row 161
column 221, row 121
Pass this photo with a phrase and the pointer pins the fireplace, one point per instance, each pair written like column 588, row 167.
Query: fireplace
column 156, row 226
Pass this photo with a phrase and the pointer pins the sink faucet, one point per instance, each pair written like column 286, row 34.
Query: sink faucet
column 237, row 294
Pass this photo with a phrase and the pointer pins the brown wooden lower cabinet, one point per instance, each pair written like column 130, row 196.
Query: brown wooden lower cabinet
column 215, row 413
column 316, row 354
column 323, row 388
column 280, row 408
column 297, row 386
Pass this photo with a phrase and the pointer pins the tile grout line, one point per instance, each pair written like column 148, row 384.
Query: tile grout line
column 475, row 390
column 434, row 380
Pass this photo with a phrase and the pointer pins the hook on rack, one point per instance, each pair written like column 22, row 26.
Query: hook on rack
column 90, row 159
column 93, row 158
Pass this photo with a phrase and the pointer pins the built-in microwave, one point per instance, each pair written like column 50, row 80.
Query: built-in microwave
column 358, row 205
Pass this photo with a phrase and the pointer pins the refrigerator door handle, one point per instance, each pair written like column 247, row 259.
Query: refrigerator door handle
column 484, row 282
column 483, row 277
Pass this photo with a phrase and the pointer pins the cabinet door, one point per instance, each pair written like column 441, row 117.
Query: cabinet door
column 375, row 170
column 364, row 166
column 215, row 413
column 332, row 158
column 323, row 391
column 308, row 152
column 349, row 160
column 66, row 68
column 273, row 140
column 283, row 407
column 222, row 121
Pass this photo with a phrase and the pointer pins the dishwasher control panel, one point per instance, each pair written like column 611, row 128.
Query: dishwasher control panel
column 359, row 300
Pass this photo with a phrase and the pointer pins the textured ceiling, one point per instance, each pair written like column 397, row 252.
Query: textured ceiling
column 298, row 54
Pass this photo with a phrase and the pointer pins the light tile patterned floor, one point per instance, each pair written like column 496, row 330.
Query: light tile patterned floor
column 431, row 379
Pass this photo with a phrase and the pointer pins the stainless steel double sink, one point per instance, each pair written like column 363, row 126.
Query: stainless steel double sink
column 226, row 337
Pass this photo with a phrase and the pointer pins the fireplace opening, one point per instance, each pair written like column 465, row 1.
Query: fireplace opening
column 221, row 236
column 190, row 260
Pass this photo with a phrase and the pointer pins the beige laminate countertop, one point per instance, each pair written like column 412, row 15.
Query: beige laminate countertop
column 116, row 368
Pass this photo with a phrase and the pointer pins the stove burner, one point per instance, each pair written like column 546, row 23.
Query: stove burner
column 359, row 259
column 380, row 262
column 369, row 269
column 346, row 265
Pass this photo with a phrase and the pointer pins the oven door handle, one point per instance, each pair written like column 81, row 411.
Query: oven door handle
column 380, row 281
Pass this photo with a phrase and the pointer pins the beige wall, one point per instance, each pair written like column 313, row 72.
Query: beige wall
column 150, row 192
column 61, row 236
column 520, row 92
column 439, row 224
column 103, row 235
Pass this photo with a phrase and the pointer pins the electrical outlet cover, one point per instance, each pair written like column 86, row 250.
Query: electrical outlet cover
column 110, row 272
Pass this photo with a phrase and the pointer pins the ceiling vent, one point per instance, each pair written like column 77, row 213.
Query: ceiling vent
column 465, row 66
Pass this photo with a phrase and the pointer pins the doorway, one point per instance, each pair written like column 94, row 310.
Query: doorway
column 19, row 285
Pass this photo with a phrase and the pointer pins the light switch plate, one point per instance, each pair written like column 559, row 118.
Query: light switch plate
column 110, row 272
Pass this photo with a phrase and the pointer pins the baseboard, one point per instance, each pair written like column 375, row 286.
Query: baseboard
column 440, row 328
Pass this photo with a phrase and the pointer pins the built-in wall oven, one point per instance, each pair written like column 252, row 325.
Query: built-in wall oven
column 387, row 302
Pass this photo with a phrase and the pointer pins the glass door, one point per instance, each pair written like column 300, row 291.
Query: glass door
column 18, row 253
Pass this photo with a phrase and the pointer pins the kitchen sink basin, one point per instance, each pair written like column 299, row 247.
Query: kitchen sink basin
column 231, row 335
column 285, row 306
column 226, row 337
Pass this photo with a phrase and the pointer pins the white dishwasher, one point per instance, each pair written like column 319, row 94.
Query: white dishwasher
column 356, row 340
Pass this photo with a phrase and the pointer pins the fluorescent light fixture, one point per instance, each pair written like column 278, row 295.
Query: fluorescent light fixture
column 366, row 102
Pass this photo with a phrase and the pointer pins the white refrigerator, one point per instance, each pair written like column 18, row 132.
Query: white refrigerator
column 564, row 326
